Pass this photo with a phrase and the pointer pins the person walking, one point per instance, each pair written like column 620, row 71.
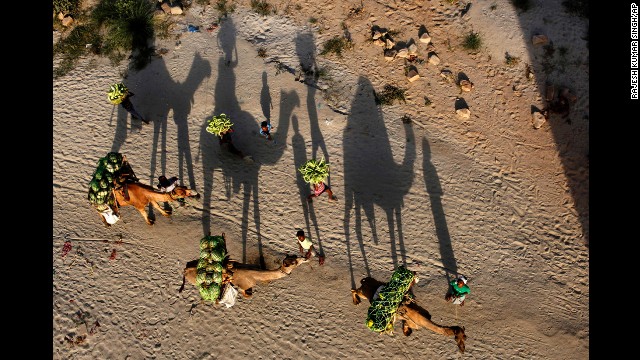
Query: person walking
column 306, row 247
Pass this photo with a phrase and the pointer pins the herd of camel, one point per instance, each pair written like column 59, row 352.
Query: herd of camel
column 245, row 276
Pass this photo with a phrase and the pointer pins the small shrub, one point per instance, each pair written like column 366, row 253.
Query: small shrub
column 65, row 6
column 73, row 46
column 427, row 101
column 511, row 60
column 577, row 7
column 336, row 46
column 389, row 94
column 321, row 73
column 472, row 41
column 262, row 7
column 223, row 9
column 262, row 52
column 522, row 5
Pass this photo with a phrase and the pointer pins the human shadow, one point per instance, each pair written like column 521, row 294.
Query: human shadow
column 265, row 98
column 305, row 49
column 238, row 175
column 371, row 176
column 434, row 189
column 299, row 158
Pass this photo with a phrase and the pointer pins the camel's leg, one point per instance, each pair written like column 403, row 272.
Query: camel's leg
column 159, row 208
column 247, row 293
column 406, row 329
column 355, row 297
column 144, row 214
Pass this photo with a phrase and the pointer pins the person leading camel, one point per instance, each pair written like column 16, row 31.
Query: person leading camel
column 306, row 247
column 458, row 290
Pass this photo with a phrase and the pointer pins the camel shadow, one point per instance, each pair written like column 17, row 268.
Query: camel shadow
column 238, row 175
column 371, row 175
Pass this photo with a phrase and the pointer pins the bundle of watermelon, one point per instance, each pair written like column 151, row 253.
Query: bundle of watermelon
column 219, row 124
column 117, row 93
column 104, row 179
column 211, row 267
column 314, row 171
column 382, row 310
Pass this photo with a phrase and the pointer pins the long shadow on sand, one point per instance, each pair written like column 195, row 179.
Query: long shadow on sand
column 434, row 189
column 157, row 95
column 371, row 176
column 299, row 158
column 237, row 174
column 305, row 48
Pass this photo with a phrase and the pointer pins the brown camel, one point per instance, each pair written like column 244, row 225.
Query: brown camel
column 412, row 315
column 141, row 195
column 246, row 276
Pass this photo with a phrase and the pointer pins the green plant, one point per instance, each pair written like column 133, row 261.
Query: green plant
column 562, row 50
column 321, row 73
column 577, row 7
column 389, row 94
column 262, row 7
column 336, row 45
column 74, row 45
column 262, row 52
column 427, row 101
column 472, row 41
column 510, row 60
column 65, row 6
column 223, row 9
column 161, row 25
column 129, row 26
column 522, row 5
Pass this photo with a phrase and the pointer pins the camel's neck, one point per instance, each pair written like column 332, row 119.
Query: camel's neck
column 413, row 315
column 268, row 275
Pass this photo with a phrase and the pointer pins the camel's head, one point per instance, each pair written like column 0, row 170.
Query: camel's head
column 291, row 262
column 181, row 192
column 460, row 337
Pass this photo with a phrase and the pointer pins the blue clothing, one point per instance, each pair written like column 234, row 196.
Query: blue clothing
column 265, row 133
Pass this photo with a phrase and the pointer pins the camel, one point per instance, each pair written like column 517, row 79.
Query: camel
column 412, row 315
column 246, row 276
column 141, row 195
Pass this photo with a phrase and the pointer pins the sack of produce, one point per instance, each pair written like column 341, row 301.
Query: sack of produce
column 117, row 93
column 219, row 124
column 209, row 275
column 382, row 310
column 314, row 171
column 102, row 181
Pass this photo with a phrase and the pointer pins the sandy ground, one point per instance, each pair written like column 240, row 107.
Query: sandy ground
column 489, row 197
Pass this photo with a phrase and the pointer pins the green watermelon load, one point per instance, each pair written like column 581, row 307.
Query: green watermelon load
column 117, row 93
column 314, row 171
column 209, row 275
column 382, row 310
column 102, row 181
